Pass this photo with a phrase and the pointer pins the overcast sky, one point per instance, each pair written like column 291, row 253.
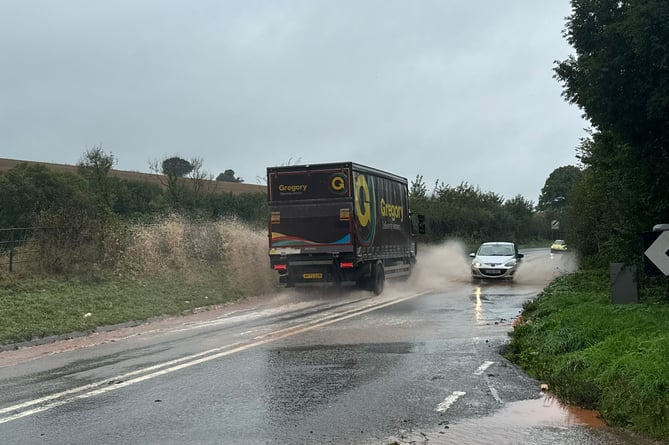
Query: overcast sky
column 453, row 90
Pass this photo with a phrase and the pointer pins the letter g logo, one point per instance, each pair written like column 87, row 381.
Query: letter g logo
column 362, row 202
column 338, row 183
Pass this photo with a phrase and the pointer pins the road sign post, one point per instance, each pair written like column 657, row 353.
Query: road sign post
column 624, row 289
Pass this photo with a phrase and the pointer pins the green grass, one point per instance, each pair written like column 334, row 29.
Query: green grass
column 612, row 358
column 45, row 307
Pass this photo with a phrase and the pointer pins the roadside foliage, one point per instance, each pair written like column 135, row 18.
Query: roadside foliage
column 597, row 355
column 618, row 78
column 466, row 213
column 590, row 352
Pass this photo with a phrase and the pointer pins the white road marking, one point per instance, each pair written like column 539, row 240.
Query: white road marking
column 495, row 395
column 450, row 400
column 92, row 386
column 113, row 383
column 481, row 369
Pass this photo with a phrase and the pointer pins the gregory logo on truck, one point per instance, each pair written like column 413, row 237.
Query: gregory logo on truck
column 339, row 223
column 365, row 212
column 392, row 211
column 299, row 188
column 338, row 184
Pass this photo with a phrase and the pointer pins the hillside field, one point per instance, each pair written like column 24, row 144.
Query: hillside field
column 220, row 186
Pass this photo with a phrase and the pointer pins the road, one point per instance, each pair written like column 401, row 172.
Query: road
column 419, row 364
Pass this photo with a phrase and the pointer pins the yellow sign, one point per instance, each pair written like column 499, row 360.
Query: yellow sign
column 312, row 276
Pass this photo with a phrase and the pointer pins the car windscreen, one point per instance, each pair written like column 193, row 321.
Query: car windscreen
column 496, row 251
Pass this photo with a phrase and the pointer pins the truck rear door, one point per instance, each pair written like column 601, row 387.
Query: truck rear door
column 316, row 227
column 311, row 210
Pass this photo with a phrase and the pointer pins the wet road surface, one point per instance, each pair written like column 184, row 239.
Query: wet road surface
column 418, row 364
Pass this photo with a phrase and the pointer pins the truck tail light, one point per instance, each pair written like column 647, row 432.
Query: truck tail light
column 276, row 218
column 344, row 214
column 280, row 267
column 346, row 265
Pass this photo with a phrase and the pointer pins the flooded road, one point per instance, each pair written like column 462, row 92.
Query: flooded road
column 419, row 364
column 537, row 421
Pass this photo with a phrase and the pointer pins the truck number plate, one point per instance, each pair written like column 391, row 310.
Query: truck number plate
column 312, row 276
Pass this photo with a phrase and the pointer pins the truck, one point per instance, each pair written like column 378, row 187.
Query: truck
column 340, row 224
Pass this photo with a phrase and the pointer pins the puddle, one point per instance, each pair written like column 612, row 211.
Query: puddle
column 538, row 421
column 544, row 411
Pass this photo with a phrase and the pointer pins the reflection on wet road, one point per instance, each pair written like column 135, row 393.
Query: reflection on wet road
column 418, row 364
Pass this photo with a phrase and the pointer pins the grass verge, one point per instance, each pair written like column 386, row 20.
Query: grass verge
column 37, row 308
column 591, row 353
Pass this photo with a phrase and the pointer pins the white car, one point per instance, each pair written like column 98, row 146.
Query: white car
column 496, row 260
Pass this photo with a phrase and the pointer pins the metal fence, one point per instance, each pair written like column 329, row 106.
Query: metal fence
column 15, row 248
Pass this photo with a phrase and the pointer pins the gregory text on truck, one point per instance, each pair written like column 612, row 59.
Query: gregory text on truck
column 340, row 223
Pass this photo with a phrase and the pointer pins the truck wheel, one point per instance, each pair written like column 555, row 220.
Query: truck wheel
column 378, row 279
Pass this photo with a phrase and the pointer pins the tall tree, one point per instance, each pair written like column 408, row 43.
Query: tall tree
column 619, row 73
column 619, row 77
column 555, row 192
column 95, row 166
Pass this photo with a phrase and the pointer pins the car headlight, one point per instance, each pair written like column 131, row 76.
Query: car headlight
column 510, row 263
column 476, row 264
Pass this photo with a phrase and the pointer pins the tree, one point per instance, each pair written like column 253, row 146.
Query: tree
column 618, row 77
column 197, row 176
column 174, row 169
column 228, row 176
column 95, row 166
column 619, row 73
column 607, row 210
column 556, row 189
column 136, row 198
column 418, row 189
column 519, row 215
column 25, row 191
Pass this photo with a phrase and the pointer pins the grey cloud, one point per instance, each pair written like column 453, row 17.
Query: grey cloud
column 453, row 91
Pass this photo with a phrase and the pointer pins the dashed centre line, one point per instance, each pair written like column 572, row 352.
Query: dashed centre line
column 450, row 400
column 481, row 369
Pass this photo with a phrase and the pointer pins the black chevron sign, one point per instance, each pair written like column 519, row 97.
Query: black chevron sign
column 656, row 252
